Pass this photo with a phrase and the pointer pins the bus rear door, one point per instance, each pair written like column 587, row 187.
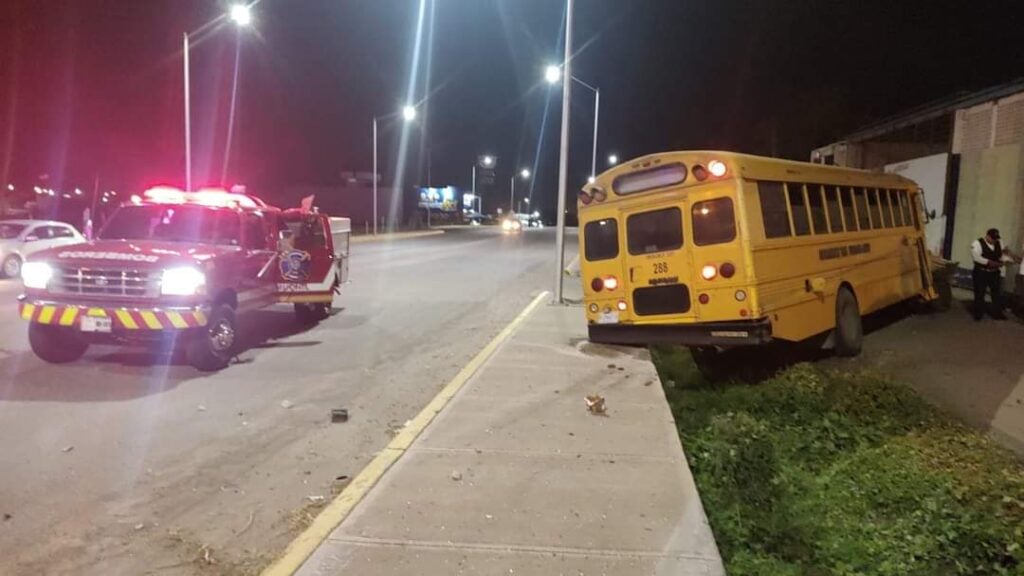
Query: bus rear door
column 658, row 266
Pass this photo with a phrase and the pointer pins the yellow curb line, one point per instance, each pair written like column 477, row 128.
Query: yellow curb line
column 392, row 237
column 335, row 513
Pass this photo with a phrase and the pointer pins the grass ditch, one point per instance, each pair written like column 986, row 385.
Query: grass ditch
column 817, row 471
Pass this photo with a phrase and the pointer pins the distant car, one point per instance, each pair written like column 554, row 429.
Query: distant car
column 21, row 238
column 511, row 226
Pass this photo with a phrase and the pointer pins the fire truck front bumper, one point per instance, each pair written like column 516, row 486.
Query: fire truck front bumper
column 100, row 319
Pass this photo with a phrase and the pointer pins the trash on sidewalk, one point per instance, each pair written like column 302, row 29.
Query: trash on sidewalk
column 286, row 404
column 67, row 449
column 201, row 408
column 339, row 415
column 595, row 404
column 456, row 475
column 315, row 499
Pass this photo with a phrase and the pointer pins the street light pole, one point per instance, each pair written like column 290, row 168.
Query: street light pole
column 188, row 123
column 563, row 156
column 593, row 155
column 512, row 195
column 376, row 176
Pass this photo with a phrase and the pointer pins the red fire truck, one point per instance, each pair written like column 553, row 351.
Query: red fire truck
column 175, row 267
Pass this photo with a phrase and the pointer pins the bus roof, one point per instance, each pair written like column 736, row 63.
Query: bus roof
column 752, row 167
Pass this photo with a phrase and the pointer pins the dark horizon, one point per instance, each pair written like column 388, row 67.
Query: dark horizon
column 93, row 88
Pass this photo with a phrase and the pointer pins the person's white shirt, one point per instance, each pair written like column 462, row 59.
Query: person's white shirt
column 976, row 255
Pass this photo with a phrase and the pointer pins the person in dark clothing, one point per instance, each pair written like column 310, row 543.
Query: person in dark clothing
column 989, row 256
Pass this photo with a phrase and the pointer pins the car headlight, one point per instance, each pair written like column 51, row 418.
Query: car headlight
column 506, row 225
column 184, row 281
column 36, row 274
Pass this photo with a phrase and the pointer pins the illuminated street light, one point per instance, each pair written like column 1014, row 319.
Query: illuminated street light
column 553, row 74
column 613, row 160
column 525, row 175
column 10, row 187
column 409, row 113
column 241, row 15
column 488, row 160
column 591, row 179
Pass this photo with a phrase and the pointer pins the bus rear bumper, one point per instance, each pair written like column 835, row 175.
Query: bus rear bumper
column 724, row 334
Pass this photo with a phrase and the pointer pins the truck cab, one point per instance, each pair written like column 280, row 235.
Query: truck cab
column 175, row 266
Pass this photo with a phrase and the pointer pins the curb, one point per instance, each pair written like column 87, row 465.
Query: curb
column 394, row 236
column 303, row 546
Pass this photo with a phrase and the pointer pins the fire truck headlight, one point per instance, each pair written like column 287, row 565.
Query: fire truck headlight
column 36, row 274
column 184, row 281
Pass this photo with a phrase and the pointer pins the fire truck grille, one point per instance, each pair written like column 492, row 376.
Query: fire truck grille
column 99, row 282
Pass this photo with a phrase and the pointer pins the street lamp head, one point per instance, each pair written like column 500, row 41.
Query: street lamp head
column 409, row 113
column 590, row 179
column 524, row 173
column 552, row 74
column 241, row 15
column 488, row 160
column 613, row 159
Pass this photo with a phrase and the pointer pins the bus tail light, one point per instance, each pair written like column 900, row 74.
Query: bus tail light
column 585, row 198
column 741, row 295
column 599, row 195
column 596, row 284
column 717, row 168
column 622, row 305
column 704, row 298
column 700, row 173
column 708, row 272
column 727, row 270
column 611, row 283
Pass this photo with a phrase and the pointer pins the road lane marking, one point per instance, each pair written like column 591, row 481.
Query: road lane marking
column 335, row 513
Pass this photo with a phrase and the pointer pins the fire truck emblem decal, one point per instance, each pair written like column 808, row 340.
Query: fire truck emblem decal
column 295, row 265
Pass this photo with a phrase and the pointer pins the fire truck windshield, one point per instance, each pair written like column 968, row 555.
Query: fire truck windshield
column 173, row 223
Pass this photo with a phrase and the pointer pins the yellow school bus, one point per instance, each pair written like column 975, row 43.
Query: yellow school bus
column 714, row 250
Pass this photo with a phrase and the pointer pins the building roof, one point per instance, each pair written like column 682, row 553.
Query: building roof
column 935, row 109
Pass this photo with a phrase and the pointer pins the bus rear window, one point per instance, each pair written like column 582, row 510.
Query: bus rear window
column 655, row 231
column 714, row 222
column 601, row 239
column 643, row 180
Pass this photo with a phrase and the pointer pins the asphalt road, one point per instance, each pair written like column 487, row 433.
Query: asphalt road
column 131, row 463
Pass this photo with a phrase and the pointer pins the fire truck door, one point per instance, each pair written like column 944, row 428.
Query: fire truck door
column 306, row 270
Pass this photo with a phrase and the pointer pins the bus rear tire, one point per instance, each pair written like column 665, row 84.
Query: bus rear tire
column 849, row 332
column 711, row 362
column 56, row 344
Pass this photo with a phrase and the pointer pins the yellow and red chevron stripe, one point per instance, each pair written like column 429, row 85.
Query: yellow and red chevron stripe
column 123, row 318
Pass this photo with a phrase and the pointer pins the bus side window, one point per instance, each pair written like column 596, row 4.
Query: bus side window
column 835, row 213
column 885, row 197
column 798, row 207
column 860, row 201
column 904, row 207
column 849, row 214
column 817, row 204
column 773, row 209
column 876, row 210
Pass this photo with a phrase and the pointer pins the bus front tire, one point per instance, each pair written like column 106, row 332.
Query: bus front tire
column 212, row 347
column 849, row 332
column 56, row 344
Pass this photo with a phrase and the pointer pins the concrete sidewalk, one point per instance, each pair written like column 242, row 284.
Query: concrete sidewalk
column 516, row 476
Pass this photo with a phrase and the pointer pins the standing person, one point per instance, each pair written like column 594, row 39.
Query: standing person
column 987, row 253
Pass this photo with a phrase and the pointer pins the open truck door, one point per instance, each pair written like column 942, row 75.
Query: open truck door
column 308, row 271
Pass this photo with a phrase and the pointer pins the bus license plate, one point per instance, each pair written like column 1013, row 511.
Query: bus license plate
column 608, row 318
column 96, row 324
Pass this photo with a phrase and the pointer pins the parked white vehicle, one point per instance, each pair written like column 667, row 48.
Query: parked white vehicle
column 21, row 238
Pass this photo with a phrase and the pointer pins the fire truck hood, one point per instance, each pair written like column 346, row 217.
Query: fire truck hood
column 135, row 254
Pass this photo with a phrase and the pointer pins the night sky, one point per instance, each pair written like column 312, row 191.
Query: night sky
column 93, row 88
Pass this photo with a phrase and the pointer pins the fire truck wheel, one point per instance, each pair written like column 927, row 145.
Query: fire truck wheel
column 56, row 344
column 312, row 313
column 11, row 267
column 212, row 347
